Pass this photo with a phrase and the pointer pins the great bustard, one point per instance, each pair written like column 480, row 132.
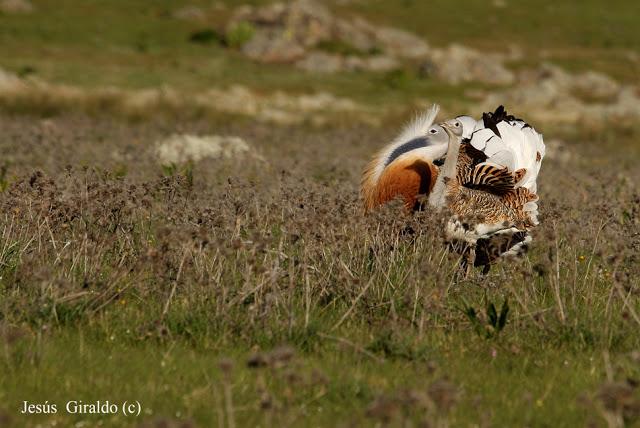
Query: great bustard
column 487, row 181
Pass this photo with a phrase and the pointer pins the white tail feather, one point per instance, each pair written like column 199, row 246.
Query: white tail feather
column 418, row 127
column 517, row 147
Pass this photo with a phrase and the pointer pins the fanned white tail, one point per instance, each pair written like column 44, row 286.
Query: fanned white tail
column 417, row 128
column 405, row 168
column 512, row 143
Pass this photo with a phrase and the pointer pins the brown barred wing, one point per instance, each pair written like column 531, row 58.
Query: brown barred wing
column 491, row 178
column 468, row 158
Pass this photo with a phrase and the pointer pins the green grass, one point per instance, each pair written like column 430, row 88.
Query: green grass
column 121, row 279
column 323, row 386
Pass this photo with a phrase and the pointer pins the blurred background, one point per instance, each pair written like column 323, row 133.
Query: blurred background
column 560, row 61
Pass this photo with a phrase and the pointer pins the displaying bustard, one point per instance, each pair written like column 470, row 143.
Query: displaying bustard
column 483, row 172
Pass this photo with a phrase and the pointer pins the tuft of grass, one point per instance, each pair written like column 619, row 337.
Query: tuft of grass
column 494, row 322
column 239, row 34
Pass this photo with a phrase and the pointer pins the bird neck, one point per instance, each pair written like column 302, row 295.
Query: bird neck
column 449, row 169
column 447, row 173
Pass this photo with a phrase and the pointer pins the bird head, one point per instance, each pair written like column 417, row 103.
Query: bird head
column 453, row 129
column 468, row 125
column 437, row 135
column 437, row 142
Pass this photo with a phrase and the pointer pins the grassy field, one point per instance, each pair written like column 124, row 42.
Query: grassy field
column 254, row 292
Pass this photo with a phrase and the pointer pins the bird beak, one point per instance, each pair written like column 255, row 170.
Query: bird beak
column 452, row 132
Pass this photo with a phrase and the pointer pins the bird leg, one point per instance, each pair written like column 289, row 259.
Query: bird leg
column 469, row 260
column 486, row 268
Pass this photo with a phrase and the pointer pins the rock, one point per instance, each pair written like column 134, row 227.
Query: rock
column 16, row 6
column 591, row 84
column 541, row 101
column 190, row 13
column 378, row 63
column 182, row 148
column 269, row 15
column 401, row 43
column 9, row 81
column 549, row 93
column 273, row 46
column 382, row 63
column 309, row 22
column 237, row 100
column 354, row 63
column 457, row 64
column 140, row 100
column 357, row 33
column 596, row 85
column 321, row 62
column 547, row 72
column 293, row 33
column 321, row 101
column 284, row 32
column 279, row 107
column 625, row 105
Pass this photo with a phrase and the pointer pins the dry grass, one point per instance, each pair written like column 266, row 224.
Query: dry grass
column 227, row 257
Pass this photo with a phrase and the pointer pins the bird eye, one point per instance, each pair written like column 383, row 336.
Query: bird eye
column 433, row 131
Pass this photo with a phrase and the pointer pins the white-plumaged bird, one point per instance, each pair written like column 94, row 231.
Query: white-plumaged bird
column 487, row 181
